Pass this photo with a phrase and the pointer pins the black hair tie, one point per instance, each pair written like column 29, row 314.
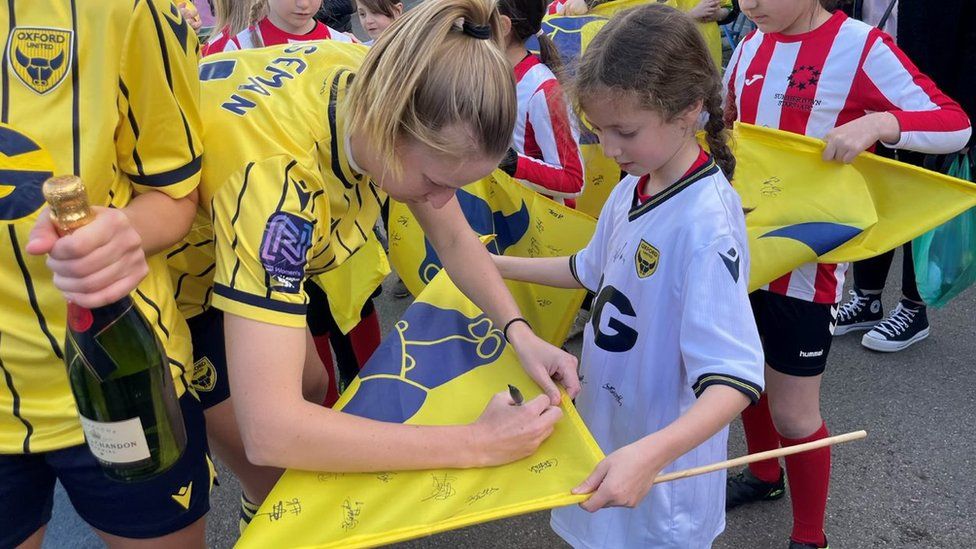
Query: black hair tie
column 481, row 32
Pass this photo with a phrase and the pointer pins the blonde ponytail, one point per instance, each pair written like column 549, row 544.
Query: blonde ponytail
column 438, row 66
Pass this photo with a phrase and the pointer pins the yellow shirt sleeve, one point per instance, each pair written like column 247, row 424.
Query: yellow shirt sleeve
column 158, row 138
column 270, row 221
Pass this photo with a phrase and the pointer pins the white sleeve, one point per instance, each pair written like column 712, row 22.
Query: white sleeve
column 587, row 264
column 718, row 336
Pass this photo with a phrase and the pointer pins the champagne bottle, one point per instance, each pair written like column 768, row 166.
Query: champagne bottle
column 117, row 369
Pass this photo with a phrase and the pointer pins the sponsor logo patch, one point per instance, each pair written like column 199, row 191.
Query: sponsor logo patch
column 284, row 247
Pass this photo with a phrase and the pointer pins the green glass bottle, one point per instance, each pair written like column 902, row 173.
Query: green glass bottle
column 117, row 369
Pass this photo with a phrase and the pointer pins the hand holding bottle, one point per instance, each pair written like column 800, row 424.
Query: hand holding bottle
column 117, row 367
column 95, row 265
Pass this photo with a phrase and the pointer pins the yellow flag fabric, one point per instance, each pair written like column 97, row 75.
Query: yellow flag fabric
column 609, row 9
column 525, row 224
column 440, row 365
column 710, row 31
column 349, row 285
column 805, row 209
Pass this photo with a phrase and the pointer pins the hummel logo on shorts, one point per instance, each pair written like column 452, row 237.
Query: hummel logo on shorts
column 811, row 354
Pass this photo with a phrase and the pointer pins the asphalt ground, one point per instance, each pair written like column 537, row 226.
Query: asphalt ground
column 910, row 484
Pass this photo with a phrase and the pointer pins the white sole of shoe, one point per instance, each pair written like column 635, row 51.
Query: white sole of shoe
column 859, row 327
column 883, row 346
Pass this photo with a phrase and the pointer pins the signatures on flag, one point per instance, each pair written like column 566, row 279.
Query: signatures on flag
column 350, row 514
column 326, row 477
column 543, row 466
column 385, row 476
column 282, row 509
column 481, row 495
column 443, row 487
column 771, row 188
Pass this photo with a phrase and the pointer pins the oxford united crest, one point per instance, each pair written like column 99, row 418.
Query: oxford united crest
column 40, row 57
column 646, row 259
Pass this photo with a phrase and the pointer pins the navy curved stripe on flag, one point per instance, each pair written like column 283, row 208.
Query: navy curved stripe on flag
column 427, row 348
column 819, row 236
column 508, row 230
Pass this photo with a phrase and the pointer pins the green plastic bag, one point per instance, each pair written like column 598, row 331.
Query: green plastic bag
column 945, row 257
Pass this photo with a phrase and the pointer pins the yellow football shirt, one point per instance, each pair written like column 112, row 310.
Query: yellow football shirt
column 285, row 202
column 107, row 91
column 711, row 32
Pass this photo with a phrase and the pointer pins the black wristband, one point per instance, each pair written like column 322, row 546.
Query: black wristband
column 513, row 321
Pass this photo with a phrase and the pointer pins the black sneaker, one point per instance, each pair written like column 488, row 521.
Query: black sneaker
column 746, row 488
column 400, row 290
column 798, row 545
column 860, row 312
column 906, row 325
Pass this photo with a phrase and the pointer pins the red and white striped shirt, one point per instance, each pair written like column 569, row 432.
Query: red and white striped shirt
column 811, row 83
column 558, row 7
column 265, row 33
column 547, row 142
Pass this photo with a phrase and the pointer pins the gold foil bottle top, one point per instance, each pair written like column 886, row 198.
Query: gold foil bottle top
column 68, row 201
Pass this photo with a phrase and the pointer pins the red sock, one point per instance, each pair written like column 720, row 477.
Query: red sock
column 761, row 436
column 809, row 477
column 325, row 354
column 365, row 338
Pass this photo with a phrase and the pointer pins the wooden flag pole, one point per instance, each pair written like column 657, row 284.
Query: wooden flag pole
column 788, row 451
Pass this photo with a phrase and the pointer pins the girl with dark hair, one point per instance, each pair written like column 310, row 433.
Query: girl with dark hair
column 824, row 75
column 375, row 16
column 672, row 354
column 545, row 154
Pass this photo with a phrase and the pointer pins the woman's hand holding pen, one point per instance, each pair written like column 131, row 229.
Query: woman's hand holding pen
column 545, row 363
column 506, row 432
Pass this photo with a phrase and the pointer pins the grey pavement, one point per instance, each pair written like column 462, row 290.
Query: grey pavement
column 910, row 484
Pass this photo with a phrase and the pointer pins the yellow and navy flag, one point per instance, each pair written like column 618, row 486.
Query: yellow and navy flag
column 803, row 209
column 710, row 31
column 440, row 365
column 609, row 9
column 524, row 224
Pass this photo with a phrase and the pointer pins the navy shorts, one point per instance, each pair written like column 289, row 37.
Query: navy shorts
column 159, row 506
column 209, row 378
column 796, row 334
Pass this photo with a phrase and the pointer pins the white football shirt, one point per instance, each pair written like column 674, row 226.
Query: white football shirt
column 671, row 318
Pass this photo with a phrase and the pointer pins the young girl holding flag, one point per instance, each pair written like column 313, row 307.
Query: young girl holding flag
column 824, row 75
column 672, row 354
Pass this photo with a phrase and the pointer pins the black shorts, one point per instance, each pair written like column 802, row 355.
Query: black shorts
column 796, row 334
column 209, row 378
column 319, row 316
column 156, row 507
